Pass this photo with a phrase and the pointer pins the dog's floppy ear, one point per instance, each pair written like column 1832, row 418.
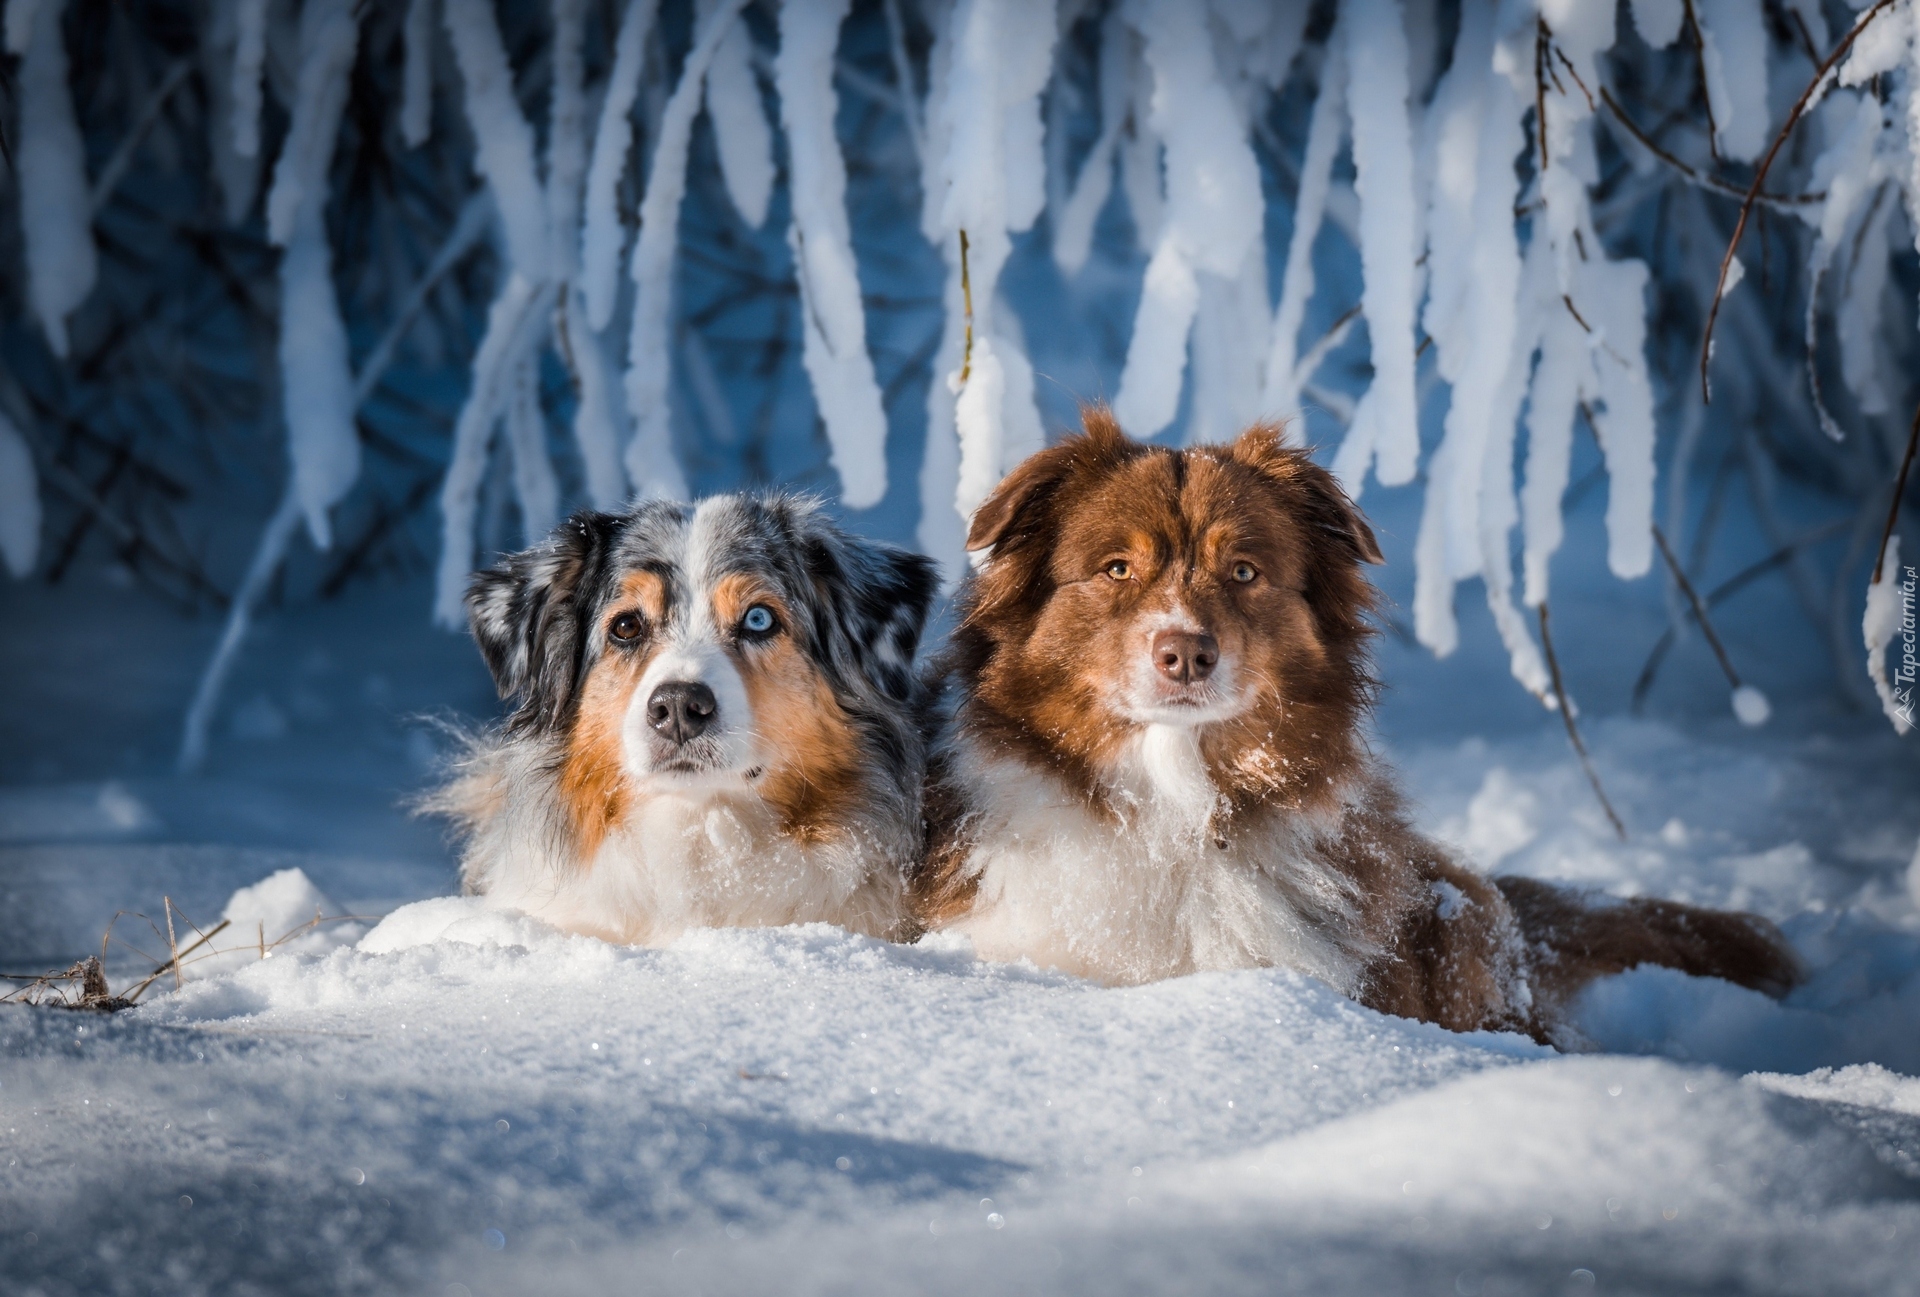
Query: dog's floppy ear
column 1015, row 509
column 879, row 595
column 1328, row 508
column 526, row 615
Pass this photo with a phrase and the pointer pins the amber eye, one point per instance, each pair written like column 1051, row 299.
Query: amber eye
column 1243, row 572
column 1120, row 570
column 625, row 628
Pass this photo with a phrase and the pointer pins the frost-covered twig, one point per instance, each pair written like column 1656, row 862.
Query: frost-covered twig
column 1573, row 730
column 1702, row 179
column 1749, row 704
column 1822, row 79
column 109, row 178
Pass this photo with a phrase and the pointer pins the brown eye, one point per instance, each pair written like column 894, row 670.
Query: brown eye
column 625, row 628
column 1120, row 570
column 1243, row 572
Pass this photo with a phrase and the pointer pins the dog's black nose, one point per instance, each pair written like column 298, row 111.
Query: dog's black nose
column 1186, row 656
column 680, row 710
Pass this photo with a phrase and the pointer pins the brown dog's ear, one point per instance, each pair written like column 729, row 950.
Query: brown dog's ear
column 1013, row 508
column 1331, row 510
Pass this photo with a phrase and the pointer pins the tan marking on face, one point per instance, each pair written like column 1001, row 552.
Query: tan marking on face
column 814, row 760
column 644, row 591
column 736, row 592
column 593, row 784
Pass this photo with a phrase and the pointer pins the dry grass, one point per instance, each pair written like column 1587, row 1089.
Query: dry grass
column 84, row 985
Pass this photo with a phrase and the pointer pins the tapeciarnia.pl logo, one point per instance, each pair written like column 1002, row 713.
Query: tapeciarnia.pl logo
column 1903, row 676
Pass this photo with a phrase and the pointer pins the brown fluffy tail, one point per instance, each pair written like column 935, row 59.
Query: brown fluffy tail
column 1574, row 939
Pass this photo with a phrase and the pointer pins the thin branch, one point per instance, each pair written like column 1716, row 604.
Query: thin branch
column 903, row 77
column 1814, row 89
column 966, row 294
column 1573, row 731
column 1699, row 609
column 116, row 167
column 1899, row 490
column 1702, row 179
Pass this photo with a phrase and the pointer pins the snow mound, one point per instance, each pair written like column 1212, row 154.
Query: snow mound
column 282, row 914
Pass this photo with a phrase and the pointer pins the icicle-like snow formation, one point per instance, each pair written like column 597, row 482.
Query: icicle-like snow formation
column 1890, row 604
column 55, row 210
column 19, row 501
column 416, row 79
column 514, row 325
column 249, row 61
column 597, row 426
column 238, row 176
column 566, row 138
column 651, row 464
column 740, row 132
column 1285, row 376
column 1213, row 207
column 316, row 380
column 1073, row 223
column 503, row 140
column 1385, row 429
column 833, row 321
column 1733, row 56
column 985, row 175
column 535, row 488
column 602, row 236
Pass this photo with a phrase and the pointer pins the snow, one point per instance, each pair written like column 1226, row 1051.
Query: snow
column 740, row 131
column 19, row 502
column 503, row 152
column 566, row 141
column 55, row 210
column 358, row 1086
column 1751, row 706
column 316, row 378
column 651, row 464
column 984, row 177
column 1386, row 426
column 416, row 103
column 1284, row 376
column 1212, row 214
column 249, row 63
column 833, row 318
column 602, row 236
column 1889, row 616
column 1733, row 59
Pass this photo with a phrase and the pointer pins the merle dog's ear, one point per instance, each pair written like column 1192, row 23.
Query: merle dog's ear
column 528, row 617
column 879, row 595
column 1328, row 508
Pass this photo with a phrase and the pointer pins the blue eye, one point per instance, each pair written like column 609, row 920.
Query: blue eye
column 758, row 621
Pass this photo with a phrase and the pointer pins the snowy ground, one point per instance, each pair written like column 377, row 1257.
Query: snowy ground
column 471, row 1105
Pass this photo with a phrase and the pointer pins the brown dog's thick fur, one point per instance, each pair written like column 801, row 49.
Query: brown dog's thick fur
column 1152, row 760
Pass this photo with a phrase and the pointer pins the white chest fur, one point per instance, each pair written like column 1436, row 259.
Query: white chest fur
column 681, row 862
column 1146, row 892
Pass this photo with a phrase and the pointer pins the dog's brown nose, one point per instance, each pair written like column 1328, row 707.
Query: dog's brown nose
column 1186, row 656
column 680, row 709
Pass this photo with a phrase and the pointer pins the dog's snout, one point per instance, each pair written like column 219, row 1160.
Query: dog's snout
column 681, row 709
column 1187, row 657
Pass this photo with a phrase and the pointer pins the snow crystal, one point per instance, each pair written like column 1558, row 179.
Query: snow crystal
column 833, row 319
column 55, row 208
column 19, row 502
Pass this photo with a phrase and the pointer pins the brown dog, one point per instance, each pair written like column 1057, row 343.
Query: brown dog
column 1153, row 763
